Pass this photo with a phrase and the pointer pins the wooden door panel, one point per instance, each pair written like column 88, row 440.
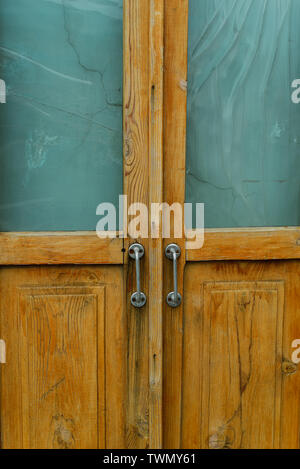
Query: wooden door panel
column 63, row 385
column 240, row 320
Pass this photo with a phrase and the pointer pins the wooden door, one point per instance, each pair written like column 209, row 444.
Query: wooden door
column 83, row 367
column 229, row 377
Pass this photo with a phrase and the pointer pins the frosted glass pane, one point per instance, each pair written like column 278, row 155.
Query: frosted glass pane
column 61, row 128
column 243, row 130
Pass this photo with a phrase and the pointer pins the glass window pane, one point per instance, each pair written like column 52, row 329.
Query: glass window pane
column 243, row 130
column 61, row 127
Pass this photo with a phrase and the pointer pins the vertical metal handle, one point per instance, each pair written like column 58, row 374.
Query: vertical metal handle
column 173, row 252
column 138, row 298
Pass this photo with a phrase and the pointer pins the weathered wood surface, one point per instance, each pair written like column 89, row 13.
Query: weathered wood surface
column 37, row 248
column 156, row 117
column 175, row 91
column 248, row 244
column 240, row 388
column 143, row 176
column 63, row 385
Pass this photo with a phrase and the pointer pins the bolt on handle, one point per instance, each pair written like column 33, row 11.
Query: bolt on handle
column 173, row 252
column 138, row 298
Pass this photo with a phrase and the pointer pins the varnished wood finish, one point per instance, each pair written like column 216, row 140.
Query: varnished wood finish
column 240, row 388
column 136, row 187
column 232, row 384
column 156, row 116
column 63, row 385
column 143, row 140
column 37, row 248
column 143, row 156
column 84, row 368
column 175, row 90
column 248, row 244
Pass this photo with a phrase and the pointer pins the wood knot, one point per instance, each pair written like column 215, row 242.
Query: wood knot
column 127, row 146
column 288, row 367
column 63, row 432
column 223, row 438
column 217, row 441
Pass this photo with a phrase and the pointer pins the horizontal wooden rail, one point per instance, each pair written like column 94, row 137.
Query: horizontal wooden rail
column 247, row 244
column 36, row 248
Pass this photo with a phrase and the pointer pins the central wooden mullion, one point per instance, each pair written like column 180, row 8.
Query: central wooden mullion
column 175, row 112
column 143, row 182
column 156, row 244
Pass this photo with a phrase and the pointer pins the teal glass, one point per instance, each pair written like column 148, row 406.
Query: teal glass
column 243, row 130
column 61, row 127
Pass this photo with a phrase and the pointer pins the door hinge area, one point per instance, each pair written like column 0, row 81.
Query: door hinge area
column 2, row 351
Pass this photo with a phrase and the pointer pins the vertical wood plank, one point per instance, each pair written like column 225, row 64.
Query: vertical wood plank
column 175, row 88
column 115, row 363
column 136, row 187
column 156, row 244
column 143, row 182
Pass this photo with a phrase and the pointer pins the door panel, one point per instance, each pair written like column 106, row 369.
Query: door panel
column 62, row 156
column 61, row 127
column 240, row 320
column 63, row 385
column 229, row 377
column 242, row 126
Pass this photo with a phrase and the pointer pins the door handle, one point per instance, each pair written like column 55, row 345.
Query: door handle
column 173, row 252
column 138, row 298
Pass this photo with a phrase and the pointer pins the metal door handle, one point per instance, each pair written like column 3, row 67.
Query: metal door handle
column 138, row 298
column 173, row 252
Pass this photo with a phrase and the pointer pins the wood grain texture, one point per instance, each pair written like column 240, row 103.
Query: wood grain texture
column 156, row 116
column 175, row 90
column 36, row 248
column 143, row 182
column 240, row 389
column 63, row 385
column 226, row 404
column 248, row 244
column 59, row 331
column 136, row 100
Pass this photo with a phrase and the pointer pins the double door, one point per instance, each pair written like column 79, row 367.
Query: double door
column 162, row 102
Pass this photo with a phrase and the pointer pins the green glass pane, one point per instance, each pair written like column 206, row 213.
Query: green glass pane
column 243, row 130
column 61, row 127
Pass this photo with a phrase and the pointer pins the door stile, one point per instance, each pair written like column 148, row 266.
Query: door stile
column 136, row 188
column 175, row 95
column 143, row 160
column 156, row 114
